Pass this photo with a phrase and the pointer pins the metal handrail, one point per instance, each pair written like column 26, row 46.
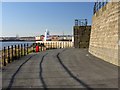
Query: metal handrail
column 98, row 5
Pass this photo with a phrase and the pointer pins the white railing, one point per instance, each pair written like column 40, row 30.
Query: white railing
column 57, row 44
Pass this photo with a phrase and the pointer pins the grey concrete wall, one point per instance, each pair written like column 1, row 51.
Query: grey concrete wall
column 105, row 33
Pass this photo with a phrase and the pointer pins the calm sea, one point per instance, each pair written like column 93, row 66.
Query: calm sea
column 5, row 44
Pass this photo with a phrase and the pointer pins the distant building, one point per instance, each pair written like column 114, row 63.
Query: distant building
column 48, row 37
column 27, row 38
column 18, row 38
column 81, row 33
column 65, row 37
column 54, row 38
column 37, row 38
column 40, row 38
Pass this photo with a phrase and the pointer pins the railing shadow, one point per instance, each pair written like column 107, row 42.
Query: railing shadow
column 72, row 75
column 41, row 75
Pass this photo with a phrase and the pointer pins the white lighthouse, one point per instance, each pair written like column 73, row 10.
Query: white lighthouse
column 46, row 35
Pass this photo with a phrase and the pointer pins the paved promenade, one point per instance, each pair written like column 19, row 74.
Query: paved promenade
column 60, row 68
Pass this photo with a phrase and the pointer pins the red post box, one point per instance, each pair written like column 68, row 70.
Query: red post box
column 37, row 48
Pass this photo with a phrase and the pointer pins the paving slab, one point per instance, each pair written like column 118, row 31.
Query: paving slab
column 91, row 70
column 60, row 68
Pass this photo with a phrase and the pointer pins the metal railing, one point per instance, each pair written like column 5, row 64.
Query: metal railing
column 81, row 22
column 11, row 53
column 99, row 4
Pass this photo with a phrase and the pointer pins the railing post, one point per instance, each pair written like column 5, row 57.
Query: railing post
column 68, row 44
column 65, row 44
column 18, row 51
column 103, row 3
column 60, row 44
column 12, row 52
column 21, row 49
column 33, row 47
column 106, row 1
column 53, row 45
column 41, row 47
column 48, row 45
column 27, row 48
column 56, row 45
column 24, row 50
column 99, row 5
column 94, row 10
column 15, row 53
column 8, row 54
column 4, row 56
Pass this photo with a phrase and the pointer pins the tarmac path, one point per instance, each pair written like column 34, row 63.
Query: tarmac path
column 60, row 68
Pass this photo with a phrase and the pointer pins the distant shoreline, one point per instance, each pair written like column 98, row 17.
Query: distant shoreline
column 18, row 40
column 26, row 40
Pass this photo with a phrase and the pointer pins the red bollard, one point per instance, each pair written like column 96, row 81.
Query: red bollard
column 37, row 48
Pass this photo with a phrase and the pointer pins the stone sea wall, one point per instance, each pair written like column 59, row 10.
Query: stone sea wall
column 105, row 33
